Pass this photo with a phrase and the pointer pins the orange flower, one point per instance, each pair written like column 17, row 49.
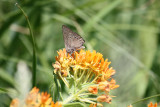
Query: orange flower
column 15, row 103
column 57, row 104
column 89, row 60
column 113, row 84
column 105, row 86
column 83, row 60
column 93, row 89
column 152, row 105
column 31, row 98
column 45, row 98
column 93, row 105
column 63, row 62
column 35, row 99
column 86, row 67
column 57, row 66
column 104, row 98
column 130, row 105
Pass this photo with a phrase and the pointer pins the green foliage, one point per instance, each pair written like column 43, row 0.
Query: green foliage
column 74, row 105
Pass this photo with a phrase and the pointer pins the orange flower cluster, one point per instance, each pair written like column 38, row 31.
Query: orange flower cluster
column 83, row 60
column 93, row 105
column 89, row 66
column 149, row 105
column 63, row 62
column 36, row 99
column 104, row 86
column 152, row 105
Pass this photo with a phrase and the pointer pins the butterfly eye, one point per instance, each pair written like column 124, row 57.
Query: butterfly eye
column 72, row 50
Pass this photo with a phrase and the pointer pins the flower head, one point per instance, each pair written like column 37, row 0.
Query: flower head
column 90, row 72
column 15, row 103
column 104, row 98
column 152, row 105
column 44, row 98
column 93, row 105
column 32, row 96
column 93, row 89
column 57, row 104
column 84, row 60
column 105, row 86
column 36, row 99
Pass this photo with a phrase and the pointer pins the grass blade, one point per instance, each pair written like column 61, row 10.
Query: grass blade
column 33, row 44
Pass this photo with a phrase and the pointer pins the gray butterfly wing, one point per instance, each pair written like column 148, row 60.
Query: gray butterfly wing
column 72, row 40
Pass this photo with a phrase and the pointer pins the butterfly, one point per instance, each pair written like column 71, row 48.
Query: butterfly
column 72, row 40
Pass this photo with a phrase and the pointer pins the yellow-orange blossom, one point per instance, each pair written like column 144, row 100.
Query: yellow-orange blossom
column 84, row 60
column 149, row 105
column 91, row 63
column 35, row 99
column 152, row 105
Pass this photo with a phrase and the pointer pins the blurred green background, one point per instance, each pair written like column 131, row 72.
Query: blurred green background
column 124, row 31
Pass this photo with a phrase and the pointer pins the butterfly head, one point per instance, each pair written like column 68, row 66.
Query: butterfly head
column 70, row 51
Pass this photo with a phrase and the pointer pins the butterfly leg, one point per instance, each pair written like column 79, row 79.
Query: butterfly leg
column 70, row 51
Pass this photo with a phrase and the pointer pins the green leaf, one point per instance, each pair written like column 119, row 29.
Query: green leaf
column 10, row 91
column 76, row 104
column 12, row 17
column 8, row 78
column 3, row 90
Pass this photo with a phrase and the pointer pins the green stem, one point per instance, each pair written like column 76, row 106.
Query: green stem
column 87, row 76
column 63, row 79
column 81, row 77
column 59, row 87
column 146, row 98
column 85, row 94
column 82, row 90
column 75, row 80
column 95, row 79
column 68, row 99
column 34, row 46
column 86, row 100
